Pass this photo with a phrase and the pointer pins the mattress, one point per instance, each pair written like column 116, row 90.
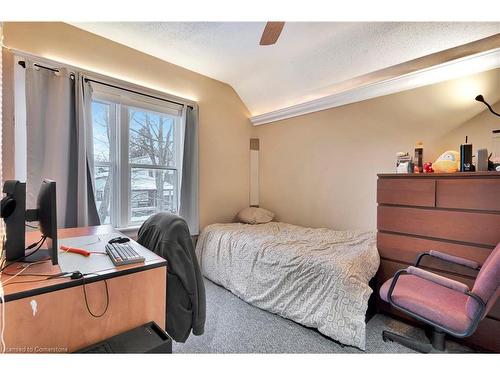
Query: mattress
column 316, row 277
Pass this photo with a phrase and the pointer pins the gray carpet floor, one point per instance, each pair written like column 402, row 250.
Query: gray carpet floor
column 234, row 326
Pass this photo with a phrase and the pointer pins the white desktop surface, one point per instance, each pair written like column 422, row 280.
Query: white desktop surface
column 70, row 262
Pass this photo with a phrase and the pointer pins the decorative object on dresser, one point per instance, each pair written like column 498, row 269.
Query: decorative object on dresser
column 466, row 157
column 482, row 160
column 448, row 162
column 494, row 157
column 454, row 213
column 419, row 157
column 404, row 163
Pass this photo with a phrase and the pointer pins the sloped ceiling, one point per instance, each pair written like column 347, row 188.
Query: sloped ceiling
column 309, row 57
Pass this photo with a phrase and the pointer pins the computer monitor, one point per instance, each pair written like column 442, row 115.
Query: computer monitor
column 47, row 216
column 16, row 217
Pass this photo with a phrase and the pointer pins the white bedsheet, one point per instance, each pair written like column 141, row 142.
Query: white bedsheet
column 316, row 277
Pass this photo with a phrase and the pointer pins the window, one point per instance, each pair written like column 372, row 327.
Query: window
column 137, row 154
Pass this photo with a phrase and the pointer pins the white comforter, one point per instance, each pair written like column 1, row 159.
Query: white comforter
column 316, row 277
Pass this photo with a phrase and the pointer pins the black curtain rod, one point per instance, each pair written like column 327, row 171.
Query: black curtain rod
column 23, row 64
column 135, row 92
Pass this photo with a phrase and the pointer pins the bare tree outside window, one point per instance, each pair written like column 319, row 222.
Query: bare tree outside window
column 152, row 160
column 102, row 159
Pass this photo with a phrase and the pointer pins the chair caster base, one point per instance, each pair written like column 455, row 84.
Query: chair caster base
column 437, row 345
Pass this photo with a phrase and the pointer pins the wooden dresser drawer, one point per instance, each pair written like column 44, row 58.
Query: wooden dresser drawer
column 407, row 192
column 471, row 227
column 470, row 194
column 406, row 248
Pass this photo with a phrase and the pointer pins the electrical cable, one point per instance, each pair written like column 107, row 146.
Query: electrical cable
column 86, row 301
column 38, row 245
column 27, row 281
column 34, row 244
column 6, row 282
column 61, row 275
column 49, row 275
column 93, row 242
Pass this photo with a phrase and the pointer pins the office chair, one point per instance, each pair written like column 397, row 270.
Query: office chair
column 447, row 305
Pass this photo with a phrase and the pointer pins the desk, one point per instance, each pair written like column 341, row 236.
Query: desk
column 60, row 322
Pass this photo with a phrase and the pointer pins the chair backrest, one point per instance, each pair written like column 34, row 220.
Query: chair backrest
column 161, row 227
column 487, row 283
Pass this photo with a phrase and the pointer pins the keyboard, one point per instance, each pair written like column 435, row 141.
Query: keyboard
column 123, row 253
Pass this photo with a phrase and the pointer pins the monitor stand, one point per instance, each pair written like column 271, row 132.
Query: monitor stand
column 41, row 254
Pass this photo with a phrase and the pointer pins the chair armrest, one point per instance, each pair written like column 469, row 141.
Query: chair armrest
column 449, row 258
column 448, row 283
column 454, row 259
column 438, row 279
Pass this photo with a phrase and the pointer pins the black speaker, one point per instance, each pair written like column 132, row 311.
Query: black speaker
column 466, row 158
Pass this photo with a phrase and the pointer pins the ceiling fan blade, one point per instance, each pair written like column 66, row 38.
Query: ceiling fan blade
column 271, row 33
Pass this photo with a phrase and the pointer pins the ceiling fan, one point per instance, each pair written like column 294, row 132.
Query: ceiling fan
column 271, row 33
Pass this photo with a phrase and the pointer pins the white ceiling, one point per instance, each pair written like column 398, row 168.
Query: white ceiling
column 309, row 58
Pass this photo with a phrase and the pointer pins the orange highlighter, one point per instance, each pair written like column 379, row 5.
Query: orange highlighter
column 75, row 250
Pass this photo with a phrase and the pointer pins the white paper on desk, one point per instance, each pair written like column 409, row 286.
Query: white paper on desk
column 70, row 262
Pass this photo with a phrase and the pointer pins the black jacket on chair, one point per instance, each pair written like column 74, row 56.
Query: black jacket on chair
column 168, row 236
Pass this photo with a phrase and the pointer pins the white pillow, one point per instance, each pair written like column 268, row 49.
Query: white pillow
column 255, row 215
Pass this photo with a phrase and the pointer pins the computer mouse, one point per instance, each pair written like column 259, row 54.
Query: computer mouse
column 119, row 240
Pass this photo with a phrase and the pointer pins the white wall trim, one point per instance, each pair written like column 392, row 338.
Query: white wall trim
column 450, row 70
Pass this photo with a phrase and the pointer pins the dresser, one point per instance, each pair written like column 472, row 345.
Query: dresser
column 456, row 213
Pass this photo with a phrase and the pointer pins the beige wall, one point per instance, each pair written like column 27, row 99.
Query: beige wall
column 224, row 126
column 478, row 129
column 320, row 169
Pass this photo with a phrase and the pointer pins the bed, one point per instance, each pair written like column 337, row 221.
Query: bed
column 315, row 277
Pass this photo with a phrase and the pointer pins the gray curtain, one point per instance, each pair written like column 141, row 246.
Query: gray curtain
column 86, row 210
column 57, row 107
column 189, row 184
